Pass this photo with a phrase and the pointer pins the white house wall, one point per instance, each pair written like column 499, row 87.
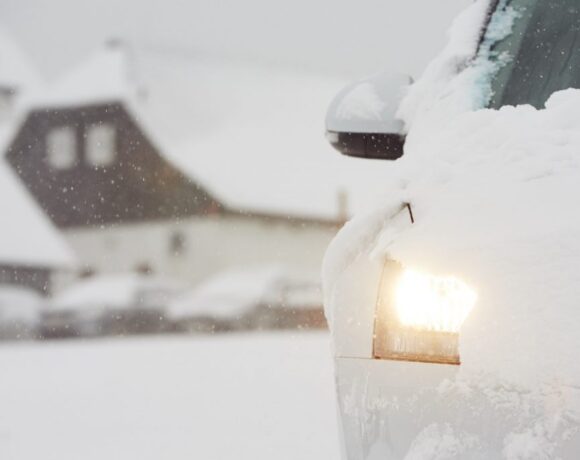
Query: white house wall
column 211, row 244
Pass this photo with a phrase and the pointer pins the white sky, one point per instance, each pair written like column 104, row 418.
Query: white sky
column 349, row 37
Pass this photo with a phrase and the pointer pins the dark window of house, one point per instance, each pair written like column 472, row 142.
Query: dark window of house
column 177, row 243
column 541, row 55
column 61, row 147
column 101, row 147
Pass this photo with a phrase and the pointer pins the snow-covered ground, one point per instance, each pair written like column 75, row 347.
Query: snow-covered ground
column 227, row 397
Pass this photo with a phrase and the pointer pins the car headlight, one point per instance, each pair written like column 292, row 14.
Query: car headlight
column 419, row 315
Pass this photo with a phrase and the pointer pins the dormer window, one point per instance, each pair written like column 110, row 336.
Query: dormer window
column 101, row 145
column 61, row 147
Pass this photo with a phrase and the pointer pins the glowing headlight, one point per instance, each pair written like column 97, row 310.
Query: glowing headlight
column 419, row 316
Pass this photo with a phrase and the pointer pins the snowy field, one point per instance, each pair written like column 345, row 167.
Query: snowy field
column 252, row 397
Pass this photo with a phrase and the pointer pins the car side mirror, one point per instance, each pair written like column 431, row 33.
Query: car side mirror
column 361, row 120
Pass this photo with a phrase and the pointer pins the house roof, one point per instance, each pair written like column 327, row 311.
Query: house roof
column 253, row 135
column 16, row 71
column 102, row 76
column 27, row 238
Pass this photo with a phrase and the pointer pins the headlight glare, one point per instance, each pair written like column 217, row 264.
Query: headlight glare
column 419, row 315
column 432, row 303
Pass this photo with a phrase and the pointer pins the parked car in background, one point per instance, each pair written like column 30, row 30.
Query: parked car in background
column 121, row 304
column 20, row 312
column 292, row 304
column 249, row 298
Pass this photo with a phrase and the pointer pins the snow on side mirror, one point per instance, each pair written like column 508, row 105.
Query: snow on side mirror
column 361, row 120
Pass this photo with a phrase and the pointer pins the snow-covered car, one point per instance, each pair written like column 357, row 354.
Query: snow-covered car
column 129, row 303
column 293, row 303
column 454, row 306
column 20, row 311
column 249, row 298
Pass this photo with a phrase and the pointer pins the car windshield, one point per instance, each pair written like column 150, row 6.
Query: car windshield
column 540, row 56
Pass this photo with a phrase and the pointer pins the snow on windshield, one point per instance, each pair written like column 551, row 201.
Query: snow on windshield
column 537, row 57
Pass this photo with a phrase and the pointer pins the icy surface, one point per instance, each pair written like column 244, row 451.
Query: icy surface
column 441, row 443
column 236, row 397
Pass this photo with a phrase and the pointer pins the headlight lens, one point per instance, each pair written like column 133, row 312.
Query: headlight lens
column 419, row 315
column 432, row 303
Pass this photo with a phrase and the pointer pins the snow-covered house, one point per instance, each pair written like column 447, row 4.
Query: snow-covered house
column 31, row 247
column 177, row 167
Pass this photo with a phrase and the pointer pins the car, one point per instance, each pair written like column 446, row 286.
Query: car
column 453, row 305
column 293, row 302
column 20, row 312
column 249, row 298
column 119, row 304
column 223, row 303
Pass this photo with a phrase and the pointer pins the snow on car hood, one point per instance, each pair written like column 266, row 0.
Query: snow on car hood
column 494, row 195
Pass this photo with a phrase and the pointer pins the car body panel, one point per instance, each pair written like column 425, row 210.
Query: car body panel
column 379, row 421
column 516, row 396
